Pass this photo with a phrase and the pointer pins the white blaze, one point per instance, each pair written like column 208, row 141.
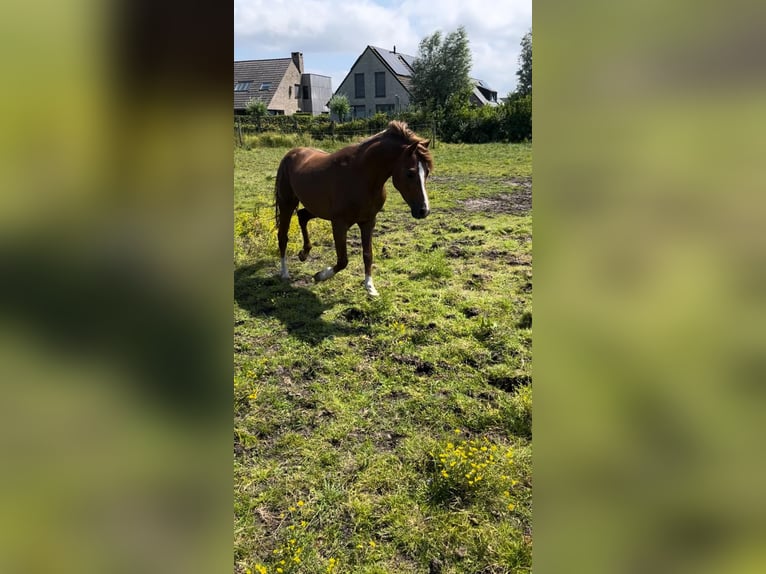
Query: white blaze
column 422, row 174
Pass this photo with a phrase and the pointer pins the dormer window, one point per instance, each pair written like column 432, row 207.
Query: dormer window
column 265, row 86
column 242, row 86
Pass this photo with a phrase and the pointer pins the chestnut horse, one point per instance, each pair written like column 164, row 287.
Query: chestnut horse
column 347, row 188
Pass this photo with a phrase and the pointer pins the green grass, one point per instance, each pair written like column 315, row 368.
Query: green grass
column 349, row 410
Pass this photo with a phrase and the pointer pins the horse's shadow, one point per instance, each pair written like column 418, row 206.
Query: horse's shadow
column 297, row 308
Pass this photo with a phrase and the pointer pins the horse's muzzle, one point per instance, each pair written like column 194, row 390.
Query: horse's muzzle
column 420, row 212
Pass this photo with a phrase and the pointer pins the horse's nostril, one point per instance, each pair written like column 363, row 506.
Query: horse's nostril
column 423, row 212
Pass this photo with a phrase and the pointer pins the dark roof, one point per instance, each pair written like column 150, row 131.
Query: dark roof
column 400, row 64
column 258, row 72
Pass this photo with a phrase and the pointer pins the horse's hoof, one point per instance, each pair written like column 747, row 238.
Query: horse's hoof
column 303, row 256
column 370, row 287
column 324, row 274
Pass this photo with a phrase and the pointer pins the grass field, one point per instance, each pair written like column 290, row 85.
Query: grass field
column 389, row 434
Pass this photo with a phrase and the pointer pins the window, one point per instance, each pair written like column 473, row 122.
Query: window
column 265, row 86
column 306, row 93
column 242, row 86
column 380, row 84
column 358, row 85
column 384, row 108
column 297, row 91
column 359, row 111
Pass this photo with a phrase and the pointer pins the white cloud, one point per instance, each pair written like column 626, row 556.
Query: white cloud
column 329, row 30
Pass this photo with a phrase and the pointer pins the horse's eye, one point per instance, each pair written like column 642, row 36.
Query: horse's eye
column 410, row 174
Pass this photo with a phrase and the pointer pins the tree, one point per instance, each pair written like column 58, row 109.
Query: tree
column 257, row 109
column 339, row 106
column 440, row 72
column 524, row 73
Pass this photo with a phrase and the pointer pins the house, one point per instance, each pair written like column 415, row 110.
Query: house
column 482, row 94
column 282, row 85
column 380, row 80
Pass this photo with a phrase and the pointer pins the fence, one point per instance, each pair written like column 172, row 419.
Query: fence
column 320, row 128
column 510, row 122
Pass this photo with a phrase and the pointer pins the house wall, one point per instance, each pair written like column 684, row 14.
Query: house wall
column 284, row 99
column 368, row 64
column 321, row 92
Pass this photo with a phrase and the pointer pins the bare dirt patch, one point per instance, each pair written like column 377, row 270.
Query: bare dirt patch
column 518, row 201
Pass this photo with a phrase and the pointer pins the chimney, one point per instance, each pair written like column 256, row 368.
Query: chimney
column 394, row 48
column 298, row 60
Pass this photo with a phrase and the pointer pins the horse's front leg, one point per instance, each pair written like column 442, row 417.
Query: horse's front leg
column 339, row 233
column 366, row 229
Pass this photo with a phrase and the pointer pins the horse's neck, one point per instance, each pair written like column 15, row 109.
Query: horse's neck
column 384, row 154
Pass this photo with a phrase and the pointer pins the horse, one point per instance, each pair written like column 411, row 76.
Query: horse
column 347, row 188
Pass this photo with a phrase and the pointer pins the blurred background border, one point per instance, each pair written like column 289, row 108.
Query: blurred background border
column 115, row 278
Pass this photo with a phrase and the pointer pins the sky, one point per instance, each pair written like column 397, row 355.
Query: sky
column 332, row 34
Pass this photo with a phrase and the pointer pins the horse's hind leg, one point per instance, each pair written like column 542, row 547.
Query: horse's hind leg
column 304, row 216
column 339, row 234
column 286, row 210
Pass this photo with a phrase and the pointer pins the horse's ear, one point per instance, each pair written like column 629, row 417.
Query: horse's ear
column 425, row 143
column 412, row 148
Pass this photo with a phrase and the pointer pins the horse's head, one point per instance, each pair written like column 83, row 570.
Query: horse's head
column 409, row 177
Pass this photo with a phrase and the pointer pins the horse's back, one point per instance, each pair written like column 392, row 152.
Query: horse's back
column 300, row 157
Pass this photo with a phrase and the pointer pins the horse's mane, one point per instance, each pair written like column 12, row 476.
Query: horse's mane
column 401, row 129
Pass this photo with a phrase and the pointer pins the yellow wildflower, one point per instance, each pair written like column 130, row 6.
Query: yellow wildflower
column 300, row 503
column 372, row 544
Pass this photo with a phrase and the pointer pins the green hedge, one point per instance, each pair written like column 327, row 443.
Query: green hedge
column 509, row 122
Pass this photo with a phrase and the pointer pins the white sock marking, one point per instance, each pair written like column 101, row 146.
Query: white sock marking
column 422, row 174
column 369, row 286
column 326, row 273
column 285, row 273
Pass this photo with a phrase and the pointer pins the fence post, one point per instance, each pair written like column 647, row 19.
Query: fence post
column 433, row 134
column 239, row 131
